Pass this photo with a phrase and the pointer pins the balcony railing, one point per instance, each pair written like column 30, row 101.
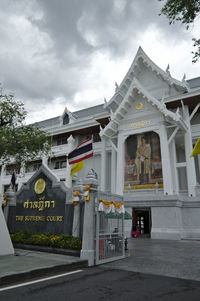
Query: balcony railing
column 60, row 149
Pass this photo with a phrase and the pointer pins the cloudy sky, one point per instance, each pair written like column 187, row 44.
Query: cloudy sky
column 69, row 53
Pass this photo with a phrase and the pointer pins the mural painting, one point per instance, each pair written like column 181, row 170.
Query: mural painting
column 143, row 165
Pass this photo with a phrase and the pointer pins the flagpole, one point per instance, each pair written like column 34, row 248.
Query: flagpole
column 93, row 163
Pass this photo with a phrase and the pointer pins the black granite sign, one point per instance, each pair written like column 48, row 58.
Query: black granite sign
column 41, row 206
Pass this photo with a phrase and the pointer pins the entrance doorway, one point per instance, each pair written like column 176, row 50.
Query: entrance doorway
column 141, row 226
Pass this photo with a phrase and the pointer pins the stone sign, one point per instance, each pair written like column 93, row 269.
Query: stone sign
column 41, row 205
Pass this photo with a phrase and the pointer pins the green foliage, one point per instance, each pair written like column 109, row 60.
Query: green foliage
column 185, row 11
column 63, row 241
column 197, row 52
column 19, row 141
column 181, row 10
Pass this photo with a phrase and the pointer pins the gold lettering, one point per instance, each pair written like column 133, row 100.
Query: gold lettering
column 35, row 218
column 140, row 124
column 47, row 204
column 42, row 218
column 35, row 204
column 26, row 204
column 60, row 218
column 54, row 218
column 41, row 206
column 19, row 218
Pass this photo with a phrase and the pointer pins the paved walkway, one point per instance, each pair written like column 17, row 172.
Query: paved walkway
column 180, row 259
column 28, row 264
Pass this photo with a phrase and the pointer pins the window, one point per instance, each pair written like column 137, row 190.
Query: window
column 60, row 164
column 180, row 149
column 33, row 166
column 60, row 140
column 57, row 165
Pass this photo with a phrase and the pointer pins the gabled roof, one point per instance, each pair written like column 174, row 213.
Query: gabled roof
column 142, row 58
column 194, row 83
column 111, row 129
column 84, row 113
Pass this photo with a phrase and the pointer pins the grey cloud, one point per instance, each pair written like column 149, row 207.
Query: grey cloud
column 70, row 32
column 112, row 30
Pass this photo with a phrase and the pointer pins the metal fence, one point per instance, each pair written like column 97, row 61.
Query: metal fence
column 109, row 238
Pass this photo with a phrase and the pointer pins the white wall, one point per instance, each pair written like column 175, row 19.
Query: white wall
column 166, row 223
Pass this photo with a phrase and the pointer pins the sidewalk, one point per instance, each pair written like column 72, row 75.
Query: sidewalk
column 26, row 264
column 179, row 259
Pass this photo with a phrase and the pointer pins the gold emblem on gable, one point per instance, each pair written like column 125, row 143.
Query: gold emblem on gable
column 139, row 106
column 40, row 185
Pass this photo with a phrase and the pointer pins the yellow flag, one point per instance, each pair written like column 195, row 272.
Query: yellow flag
column 76, row 167
column 196, row 150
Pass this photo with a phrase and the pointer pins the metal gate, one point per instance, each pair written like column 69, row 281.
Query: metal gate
column 109, row 238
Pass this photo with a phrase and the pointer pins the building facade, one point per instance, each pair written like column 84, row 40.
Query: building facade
column 143, row 138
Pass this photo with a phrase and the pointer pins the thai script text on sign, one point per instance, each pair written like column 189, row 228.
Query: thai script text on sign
column 40, row 205
column 140, row 124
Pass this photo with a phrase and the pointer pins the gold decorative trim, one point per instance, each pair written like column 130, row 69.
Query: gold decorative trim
column 139, row 106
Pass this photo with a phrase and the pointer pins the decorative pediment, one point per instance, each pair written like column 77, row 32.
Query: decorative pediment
column 157, row 81
column 123, row 109
column 45, row 171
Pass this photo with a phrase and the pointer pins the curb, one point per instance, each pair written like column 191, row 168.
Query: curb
column 30, row 275
column 75, row 253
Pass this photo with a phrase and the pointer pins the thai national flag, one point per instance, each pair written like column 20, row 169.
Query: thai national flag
column 83, row 151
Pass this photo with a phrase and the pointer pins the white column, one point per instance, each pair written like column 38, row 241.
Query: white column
column 166, row 164
column 113, row 170
column 45, row 160
column 120, row 166
column 190, row 165
column 76, row 221
column 172, row 149
column 103, row 165
column 88, row 246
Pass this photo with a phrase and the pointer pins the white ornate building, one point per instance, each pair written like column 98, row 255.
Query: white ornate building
column 143, row 139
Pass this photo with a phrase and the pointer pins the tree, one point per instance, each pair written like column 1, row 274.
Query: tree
column 185, row 11
column 19, row 142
